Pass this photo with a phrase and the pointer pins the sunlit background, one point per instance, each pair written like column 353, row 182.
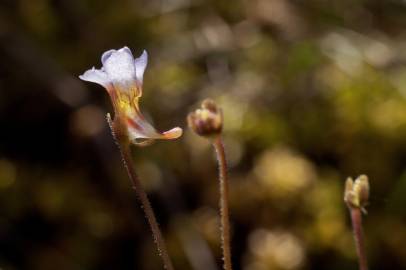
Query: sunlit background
column 312, row 91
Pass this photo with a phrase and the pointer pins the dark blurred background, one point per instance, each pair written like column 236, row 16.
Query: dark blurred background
column 313, row 91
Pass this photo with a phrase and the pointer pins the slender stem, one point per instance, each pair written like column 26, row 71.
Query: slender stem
column 356, row 218
column 224, row 211
column 125, row 152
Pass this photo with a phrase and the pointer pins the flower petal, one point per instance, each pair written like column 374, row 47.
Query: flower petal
column 140, row 65
column 173, row 133
column 141, row 140
column 119, row 66
column 139, row 128
column 106, row 55
column 96, row 76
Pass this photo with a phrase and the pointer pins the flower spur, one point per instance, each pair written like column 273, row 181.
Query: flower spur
column 122, row 76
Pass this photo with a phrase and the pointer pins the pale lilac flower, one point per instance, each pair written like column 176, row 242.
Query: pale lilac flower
column 122, row 76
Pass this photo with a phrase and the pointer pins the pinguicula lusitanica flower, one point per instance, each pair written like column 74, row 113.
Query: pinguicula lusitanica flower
column 122, row 76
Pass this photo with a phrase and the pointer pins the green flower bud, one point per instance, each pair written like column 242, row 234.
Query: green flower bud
column 356, row 192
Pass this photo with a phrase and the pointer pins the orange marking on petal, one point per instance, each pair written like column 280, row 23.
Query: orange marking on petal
column 133, row 124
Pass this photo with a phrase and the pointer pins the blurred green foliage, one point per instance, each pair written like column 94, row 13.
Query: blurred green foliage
column 312, row 92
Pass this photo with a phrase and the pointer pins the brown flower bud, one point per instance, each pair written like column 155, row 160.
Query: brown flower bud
column 356, row 192
column 207, row 121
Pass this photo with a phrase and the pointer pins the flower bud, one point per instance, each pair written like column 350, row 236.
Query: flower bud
column 356, row 192
column 207, row 121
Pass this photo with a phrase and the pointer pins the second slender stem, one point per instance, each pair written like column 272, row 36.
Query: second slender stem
column 356, row 218
column 224, row 209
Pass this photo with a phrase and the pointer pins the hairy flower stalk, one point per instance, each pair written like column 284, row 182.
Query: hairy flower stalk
column 356, row 197
column 208, row 122
column 122, row 76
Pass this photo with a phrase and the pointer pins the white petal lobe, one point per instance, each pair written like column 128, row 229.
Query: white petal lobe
column 140, row 65
column 106, row 55
column 119, row 66
column 96, row 76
